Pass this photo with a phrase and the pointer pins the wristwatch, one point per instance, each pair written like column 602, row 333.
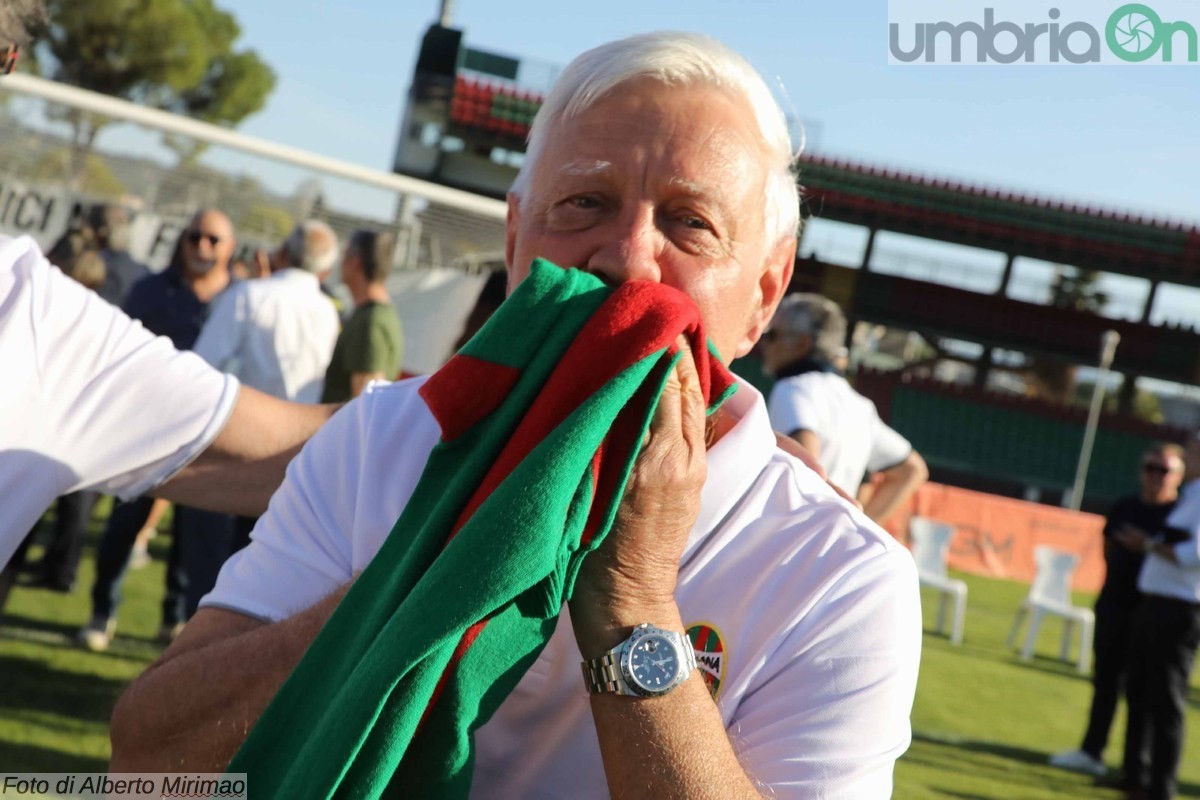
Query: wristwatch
column 650, row 663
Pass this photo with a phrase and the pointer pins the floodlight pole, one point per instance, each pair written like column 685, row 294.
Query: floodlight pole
column 1108, row 349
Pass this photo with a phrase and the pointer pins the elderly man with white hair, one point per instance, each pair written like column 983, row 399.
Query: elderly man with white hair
column 277, row 334
column 659, row 158
column 814, row 404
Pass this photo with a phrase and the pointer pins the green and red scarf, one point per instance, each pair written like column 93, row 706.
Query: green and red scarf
column 541, row 414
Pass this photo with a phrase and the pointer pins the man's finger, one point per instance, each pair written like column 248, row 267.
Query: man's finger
column 691, row 401
column 680, row 383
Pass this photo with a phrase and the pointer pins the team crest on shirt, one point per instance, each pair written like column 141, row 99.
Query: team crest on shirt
column 710, row 654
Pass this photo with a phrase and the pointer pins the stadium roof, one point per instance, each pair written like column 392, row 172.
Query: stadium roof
column 1008, row 222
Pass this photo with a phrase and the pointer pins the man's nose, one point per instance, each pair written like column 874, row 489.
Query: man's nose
column 629, row 250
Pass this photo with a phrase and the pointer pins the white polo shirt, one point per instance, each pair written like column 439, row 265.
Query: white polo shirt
column 90, row 399
column 276, row 334
column 1180, row 581
column 807, row 614
column 854, row 440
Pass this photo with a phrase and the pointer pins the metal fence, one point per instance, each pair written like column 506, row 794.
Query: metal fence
column 164, row 167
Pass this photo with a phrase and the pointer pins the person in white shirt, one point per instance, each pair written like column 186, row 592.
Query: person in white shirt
column 277, row 333
column 815, row 405
column 1166, row 635
column 660, row 157
column 95, row 401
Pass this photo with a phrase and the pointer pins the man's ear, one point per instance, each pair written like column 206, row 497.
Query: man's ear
column 512, row 221
column 805, row 344
column 772, row 286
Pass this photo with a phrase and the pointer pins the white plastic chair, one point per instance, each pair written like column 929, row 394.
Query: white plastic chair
column 931, row 543
column 1051, row 594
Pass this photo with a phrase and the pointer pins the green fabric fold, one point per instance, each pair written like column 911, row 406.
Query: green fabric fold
column 467, row 588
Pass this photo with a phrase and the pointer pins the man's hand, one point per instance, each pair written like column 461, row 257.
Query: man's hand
column 630, row 579
column 675, row 745
column 1133, row 538
column 897, row 486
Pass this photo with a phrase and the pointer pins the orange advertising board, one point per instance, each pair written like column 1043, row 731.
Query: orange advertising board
column 996, row 535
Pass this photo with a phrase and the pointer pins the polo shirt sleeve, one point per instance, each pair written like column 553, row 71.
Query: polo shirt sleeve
column 1186, row 516
column 300, row 551
column 830, row 714
column 121, row 410
column 1188, row 553
column 794, row 407
column 888, row 448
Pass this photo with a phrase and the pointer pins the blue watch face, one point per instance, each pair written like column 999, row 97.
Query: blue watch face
column 653, row 663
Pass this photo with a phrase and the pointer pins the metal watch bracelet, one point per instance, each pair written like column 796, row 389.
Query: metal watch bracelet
column 604, row 674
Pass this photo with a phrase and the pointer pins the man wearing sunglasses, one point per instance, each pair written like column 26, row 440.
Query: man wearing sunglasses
column 815, row 405
column 173, row 303
column 98, row 402
column 1165, row 634
column 1160, row 473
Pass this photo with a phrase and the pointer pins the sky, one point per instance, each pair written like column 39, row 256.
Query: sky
column 1122, row 137
column 1119, row 137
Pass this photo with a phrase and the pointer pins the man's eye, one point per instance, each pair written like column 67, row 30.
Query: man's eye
column 696, row 223
column 575, row 212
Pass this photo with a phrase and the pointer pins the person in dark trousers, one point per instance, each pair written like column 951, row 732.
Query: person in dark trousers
column 1161, row 472
column 1165, row 637
column 173, row 303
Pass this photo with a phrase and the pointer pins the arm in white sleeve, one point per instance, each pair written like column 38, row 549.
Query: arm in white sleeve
column 888, row 448
column 301, row 548
column 792, row 408
column 119, row 408
column 1187, row 554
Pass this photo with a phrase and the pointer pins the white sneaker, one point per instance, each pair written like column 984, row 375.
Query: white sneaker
column 168, row 633
column 1079, row 761
column 98, row 634
column 140, row 557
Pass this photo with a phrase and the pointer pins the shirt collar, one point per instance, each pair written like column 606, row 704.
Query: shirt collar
column 735, row 461
column 803, row 365
column 1190, row 488
column 294, row 274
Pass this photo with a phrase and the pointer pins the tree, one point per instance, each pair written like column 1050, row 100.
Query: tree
column 1077, row 289
column 172, row 54
column 268, row 222
column 94, row 177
